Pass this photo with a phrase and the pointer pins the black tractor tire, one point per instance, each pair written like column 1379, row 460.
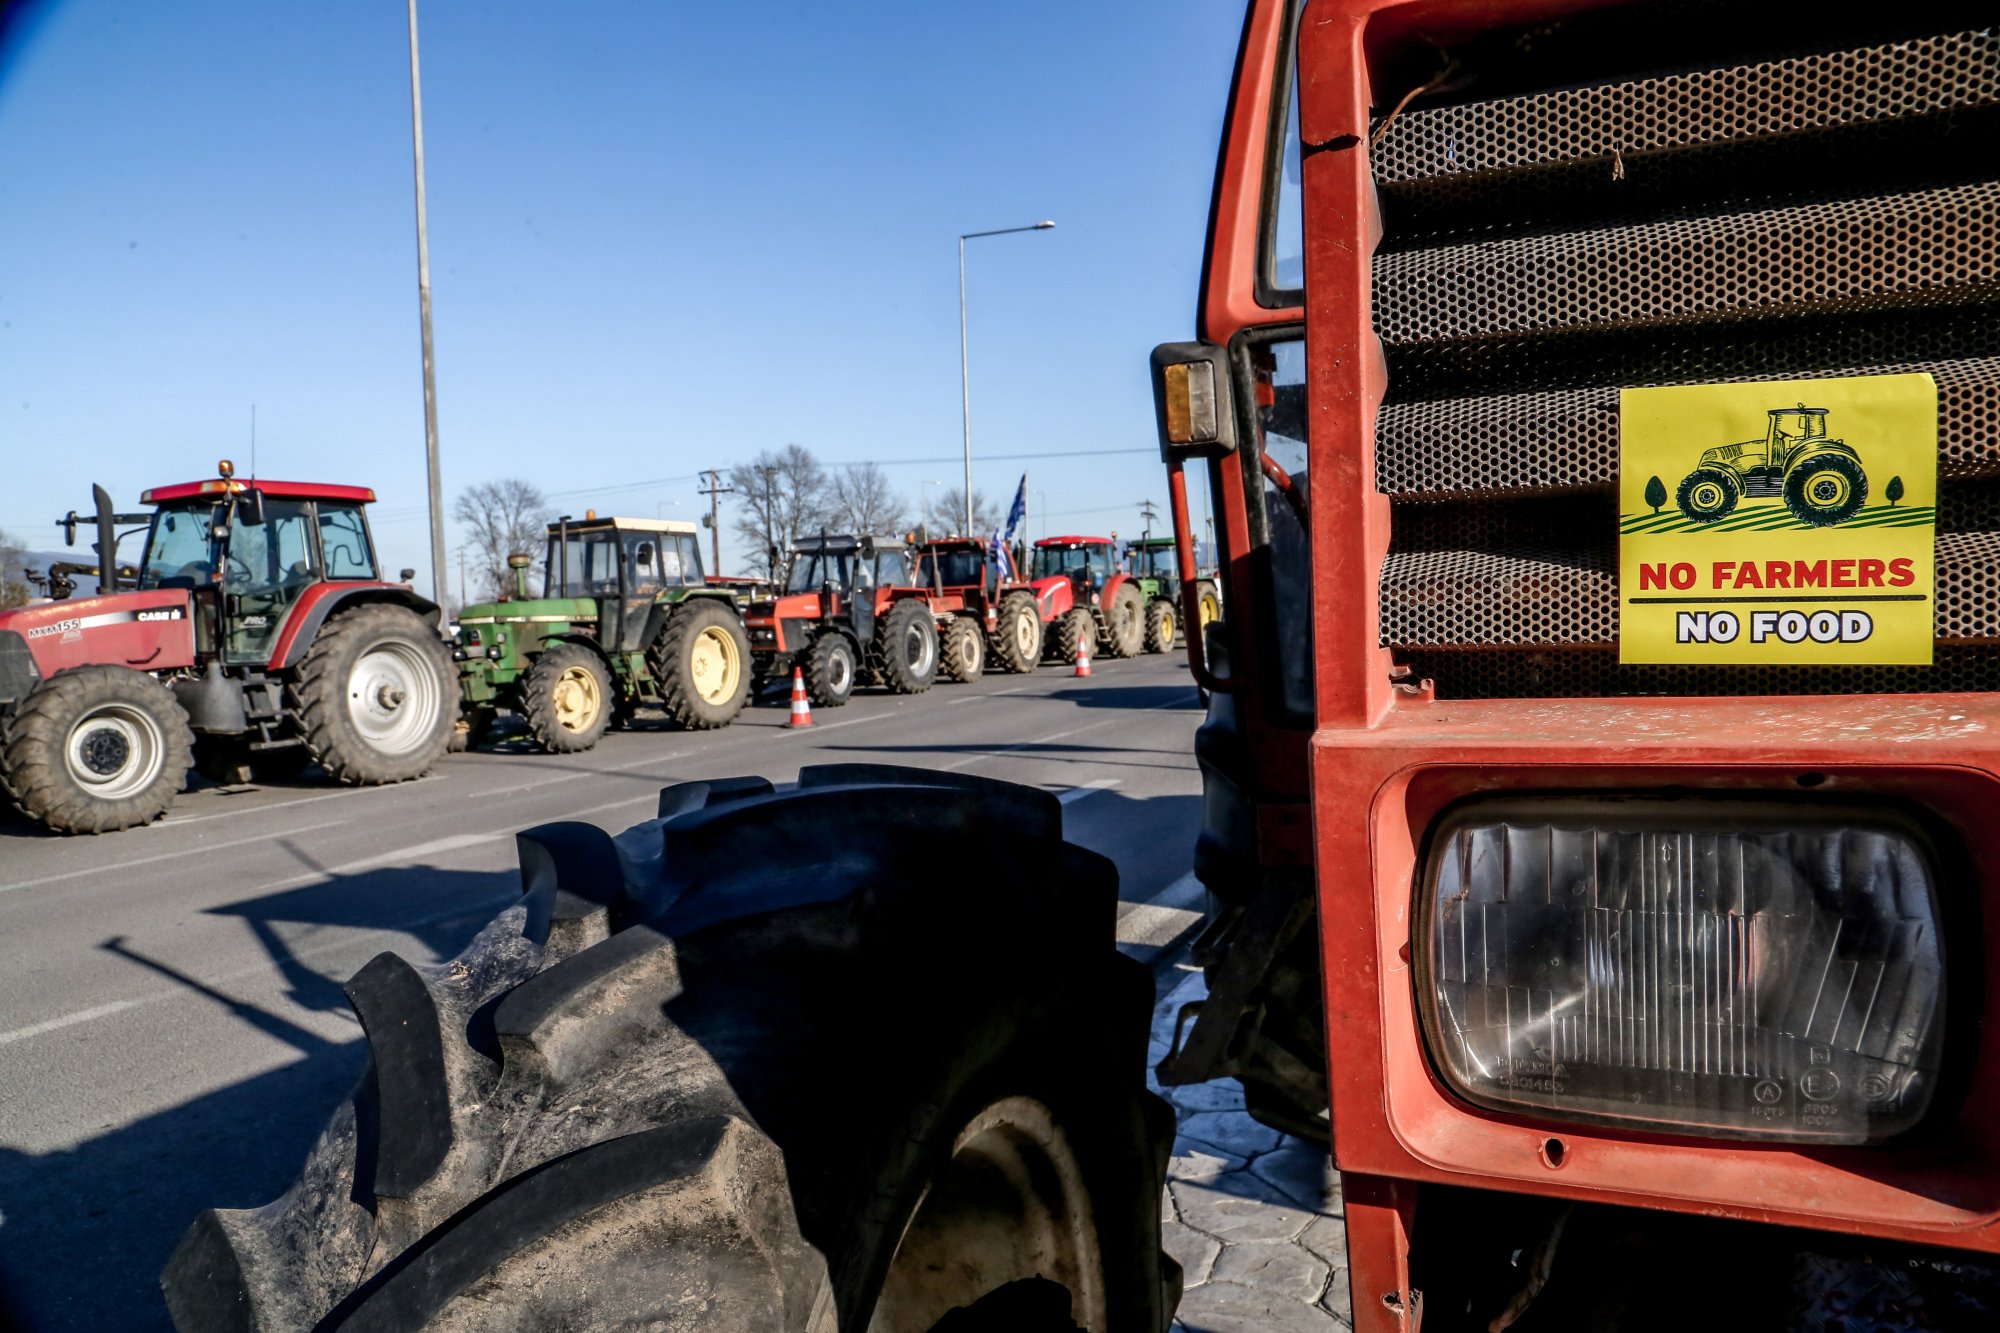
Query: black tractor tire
column 1842, row 477
column 95, row 749
column 349, row 694
column 832, row 666
column 1016, row 642
column 962, row 652
column 701, row 663
column 567, row 698
column 1708, row 495
column 679, row 1088
column 1162, row 626
column 1069, row 631
column 1125, row 622
column 905, row 651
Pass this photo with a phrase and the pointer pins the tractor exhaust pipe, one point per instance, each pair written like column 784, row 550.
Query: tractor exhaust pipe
column 562, row 552
column 107, row 541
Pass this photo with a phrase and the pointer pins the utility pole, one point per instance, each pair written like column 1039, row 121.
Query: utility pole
column 424, row 316
column 1147, row 512
column 714, row 493
column 770, row 521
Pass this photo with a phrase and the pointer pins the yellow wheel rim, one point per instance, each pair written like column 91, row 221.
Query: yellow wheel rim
column 1168, row 629
column 578, row 699
column 715, row 665
column 1828, row 490
column 1708, row 495
column 1211, row 612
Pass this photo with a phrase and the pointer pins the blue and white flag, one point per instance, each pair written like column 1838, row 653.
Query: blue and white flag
column 998, row 555
column 1020, row 508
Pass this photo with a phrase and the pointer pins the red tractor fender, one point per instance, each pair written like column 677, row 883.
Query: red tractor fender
column 302, row 623
column 1110, row 589
column 152, row 630
column 1053, row 596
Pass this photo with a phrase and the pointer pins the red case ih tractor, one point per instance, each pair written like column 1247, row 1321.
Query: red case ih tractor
column 981, row 617
column 1081, row 591
column 1623, row 996
column 848, row 612
column 260, row 624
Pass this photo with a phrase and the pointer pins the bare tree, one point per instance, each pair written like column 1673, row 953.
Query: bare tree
column 946, row 514
column 785, row 496
column 14, row 589
column 863, row 501
column 504, row 516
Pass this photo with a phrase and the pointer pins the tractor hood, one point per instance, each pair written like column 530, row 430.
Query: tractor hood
column 544, row 609
column 792, row 606
column 151, row 631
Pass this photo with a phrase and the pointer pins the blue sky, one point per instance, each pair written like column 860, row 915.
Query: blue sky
column 663, row 236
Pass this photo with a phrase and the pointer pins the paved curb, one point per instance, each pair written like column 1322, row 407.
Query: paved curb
column 1253, row 1216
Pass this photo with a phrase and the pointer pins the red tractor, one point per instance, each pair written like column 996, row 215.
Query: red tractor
column 1080, row 591
column 848, row 608
column 979, row 613
column 259, row 624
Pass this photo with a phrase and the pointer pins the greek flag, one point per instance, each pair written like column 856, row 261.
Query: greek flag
column 999, row 556
column 1020, row 508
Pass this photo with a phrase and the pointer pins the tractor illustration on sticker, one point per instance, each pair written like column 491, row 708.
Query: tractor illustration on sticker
column 1820, row 480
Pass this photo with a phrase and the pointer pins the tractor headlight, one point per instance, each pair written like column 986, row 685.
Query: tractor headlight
column 1740, row 969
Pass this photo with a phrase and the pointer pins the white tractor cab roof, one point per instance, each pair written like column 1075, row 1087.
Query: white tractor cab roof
column 628, row 524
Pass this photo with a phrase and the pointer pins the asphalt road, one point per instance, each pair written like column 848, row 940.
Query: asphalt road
column 172, row 1028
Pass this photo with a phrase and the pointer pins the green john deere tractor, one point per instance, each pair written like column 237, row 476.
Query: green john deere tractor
column 1151, row 560
column 626, row 618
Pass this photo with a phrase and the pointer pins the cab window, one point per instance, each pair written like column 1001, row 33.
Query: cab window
column 343, row 542
column 180, row 549
column 646, row 564
column 593, row 564
column 892, row 569
column 689, row 551
column 266, row 568
column 1277, row 374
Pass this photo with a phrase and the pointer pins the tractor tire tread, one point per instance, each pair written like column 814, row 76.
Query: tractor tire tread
column 34, row 735
column 318, row 701
column 682, row 702
column 1160, row 626
column 885, row 654
column 962, row 652
column 1002, row 645
column 538, row 700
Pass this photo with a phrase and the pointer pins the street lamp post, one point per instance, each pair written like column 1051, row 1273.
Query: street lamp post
column 436, row 484
column 964, row 359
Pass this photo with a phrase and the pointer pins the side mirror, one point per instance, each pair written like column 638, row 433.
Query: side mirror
column 405, row 575
column 251, row 505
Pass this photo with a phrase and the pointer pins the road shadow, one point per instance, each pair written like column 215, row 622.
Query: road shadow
column 1053, row 751
column 87, row 1230
column 1133, row 698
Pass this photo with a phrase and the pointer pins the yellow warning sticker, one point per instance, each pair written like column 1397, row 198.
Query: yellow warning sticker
column 1786, row 521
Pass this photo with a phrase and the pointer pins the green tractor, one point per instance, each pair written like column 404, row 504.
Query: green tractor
column 1152, row 563
column 1820, row 480
column 626, row 618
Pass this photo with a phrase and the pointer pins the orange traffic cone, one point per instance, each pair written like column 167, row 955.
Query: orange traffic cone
column 802, row 712
column 1083, row 655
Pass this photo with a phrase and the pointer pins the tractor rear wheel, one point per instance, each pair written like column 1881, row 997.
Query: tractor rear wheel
column 906, row 647
column 962, row 655
column 1209, row 603
column 376, row 696
column 1125, row 622
column 830, row 667
column 1017, row 633
column 1162, row 626
column 1708, row 495
column 701, row 663
column 1828, row 489
column 1068, row 633
column 566, row 698
column 94, row 749
column 612, row 1110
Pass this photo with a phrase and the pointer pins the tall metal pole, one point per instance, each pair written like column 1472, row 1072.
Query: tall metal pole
column 424, row 316
column 964, row 358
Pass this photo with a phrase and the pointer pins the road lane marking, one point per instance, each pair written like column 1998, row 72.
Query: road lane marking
column 248, row 812
column 1091, row 788
column 185, row 853
column 68, row 1020
column 1161, row 920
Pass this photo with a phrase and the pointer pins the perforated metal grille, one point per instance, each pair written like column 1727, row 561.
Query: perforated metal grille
column 1929, row 244
column 1569, row 437
column 1768, row 98
column 1471, row 599
column 1557, row 673
column 1814, row 215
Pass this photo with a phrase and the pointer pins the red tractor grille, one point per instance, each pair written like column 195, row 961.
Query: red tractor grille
column 1830, row 210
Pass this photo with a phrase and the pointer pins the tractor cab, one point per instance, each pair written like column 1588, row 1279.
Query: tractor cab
column 1150, row 558
column 1791, row 427
column 625, row 568
column 251, row 555
column 848, row 609
column 954, row 564
column 1086, row 563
